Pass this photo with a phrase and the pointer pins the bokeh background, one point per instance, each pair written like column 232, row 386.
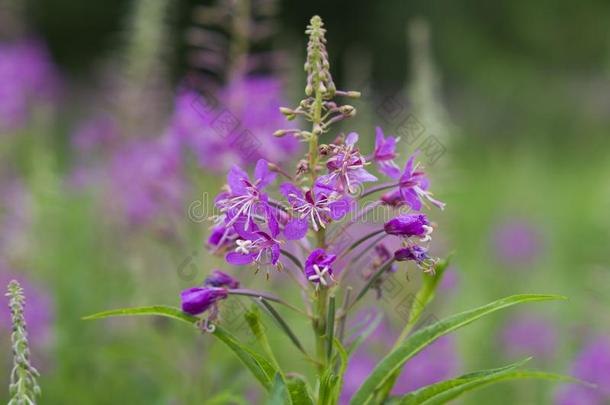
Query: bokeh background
column 107, row 147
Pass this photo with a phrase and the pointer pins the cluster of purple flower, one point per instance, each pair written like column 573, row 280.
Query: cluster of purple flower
column 27, row 79
column 233, row 127
column 253, row 225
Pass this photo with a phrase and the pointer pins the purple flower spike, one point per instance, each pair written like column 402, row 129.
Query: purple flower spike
column 408, row 225
column 318, row 267
column 197, row 300
column 413, row 186
column 385, row 153
column 220, row 279
column 345, row 168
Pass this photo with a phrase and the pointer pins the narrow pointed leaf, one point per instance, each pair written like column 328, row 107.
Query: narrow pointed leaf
column 393, row 362
column 449, row 390
column 156, row 310
column 430, row 391
column 262, row 370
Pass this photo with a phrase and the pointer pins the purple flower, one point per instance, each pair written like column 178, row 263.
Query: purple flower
column 27, row 79
column 408, row 225
column 197, row 300
column 345, row 168
column 147, row 180
column 385, row 153
column 517, row 242
column 529, row 334
column 255, row 247
column 318, row 209
column 221, row 238
column 591, row 365
column 318, row 267
column 246, row 199
column 220, row 279
column 413, row 186
column 235, row 126
column 415, row 253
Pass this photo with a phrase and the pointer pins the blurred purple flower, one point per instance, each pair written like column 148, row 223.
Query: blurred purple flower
column 146, row 179
column 529, row 334
column 27, row 79
column 592, row 365
column 98, row 134
column 517, row 242
column 236, row 127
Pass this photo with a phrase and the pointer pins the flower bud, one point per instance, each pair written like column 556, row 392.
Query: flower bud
column 408, row 225
column 197, row 300
column 221, row 279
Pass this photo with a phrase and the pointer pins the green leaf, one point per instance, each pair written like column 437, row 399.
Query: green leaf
column 445, row 391
column 393, row 362
column 342, row 367
column 259, row 366
column 298, row 390
column 330, row 327
column 283, row 325
column 430, row 391
column 279, row 392
column 424, row 296
column 158, row 310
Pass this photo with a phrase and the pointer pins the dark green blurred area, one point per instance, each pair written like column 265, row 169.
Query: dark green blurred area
column 527, row 87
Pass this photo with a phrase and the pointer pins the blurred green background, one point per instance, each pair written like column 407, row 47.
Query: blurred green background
column 518, row 95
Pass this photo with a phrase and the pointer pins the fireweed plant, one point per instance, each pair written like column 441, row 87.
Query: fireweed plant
column 256, row 223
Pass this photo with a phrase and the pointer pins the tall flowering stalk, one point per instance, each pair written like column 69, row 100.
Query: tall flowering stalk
column 23, row 387
column 272, row 229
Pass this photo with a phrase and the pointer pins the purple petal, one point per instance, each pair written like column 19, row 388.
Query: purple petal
column 287, row 189
column 389, row 169
column 351, row 139
column 296, row 229
column 411, row 199
column 239, row 259
column 262, row 173
column 235, row 180
column 340, row 208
